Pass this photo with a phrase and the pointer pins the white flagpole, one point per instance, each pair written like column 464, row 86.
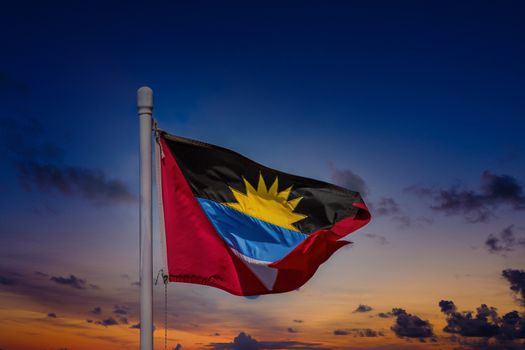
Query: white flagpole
column 145, row 109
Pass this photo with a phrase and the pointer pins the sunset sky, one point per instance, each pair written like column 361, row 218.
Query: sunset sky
column 419, row 105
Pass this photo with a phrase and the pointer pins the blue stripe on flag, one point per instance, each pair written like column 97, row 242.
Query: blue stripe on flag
column 251, row 237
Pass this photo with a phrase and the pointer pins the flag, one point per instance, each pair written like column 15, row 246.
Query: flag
column 234, row 224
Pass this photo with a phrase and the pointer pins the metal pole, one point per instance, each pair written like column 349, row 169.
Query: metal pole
column 145, row 109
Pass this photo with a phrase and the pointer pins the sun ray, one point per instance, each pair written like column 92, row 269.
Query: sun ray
column 261, row 186
column 273, row 189
column 284, row 194
column 249, row 187
column 293, row 203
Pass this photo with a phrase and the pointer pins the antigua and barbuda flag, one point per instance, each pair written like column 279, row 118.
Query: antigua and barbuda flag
column 234, row 224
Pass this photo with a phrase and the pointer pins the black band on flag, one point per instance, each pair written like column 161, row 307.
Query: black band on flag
column 211, row 171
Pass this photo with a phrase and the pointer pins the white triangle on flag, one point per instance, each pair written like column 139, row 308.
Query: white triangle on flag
column 267, row 275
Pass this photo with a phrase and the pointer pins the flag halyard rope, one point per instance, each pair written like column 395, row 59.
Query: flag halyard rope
column 156, row 130
column 165, row 280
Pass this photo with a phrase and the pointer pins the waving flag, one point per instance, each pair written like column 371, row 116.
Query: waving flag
column 231, row 223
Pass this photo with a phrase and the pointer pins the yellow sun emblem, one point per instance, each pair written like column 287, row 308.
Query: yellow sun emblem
column 268, row 205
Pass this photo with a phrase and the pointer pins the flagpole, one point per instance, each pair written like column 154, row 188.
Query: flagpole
column 145, row 111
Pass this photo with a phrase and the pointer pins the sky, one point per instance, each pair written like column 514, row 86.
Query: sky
column 417, row 105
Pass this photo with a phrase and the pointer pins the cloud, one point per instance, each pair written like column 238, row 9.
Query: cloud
column 72, row 281
column 411, row 326
column 178, row 347
column 482, row 324
column 404, row 221
column 516, row 278
column 137, row 326
column 359, row 332
column 6, row 281
column 73, row 181
column 387, row 206
column 298, row 321
column 362, row 308
column 368, row 333
column 349, row 180
column 96, row 310
column 192, row 308
column 512, row 326
column 241, row 342
column 52, row 315
column 476, row 206
column 38, row 164
column 120, row 310
column 21, row 139
column 62, row 294
column 485, row 323
column 57, row 292
column 41, row 274
column 245, row 342
column 292, row 330
column 447, row 307
column 379, row 239
column 110, row 321
column 505, row 241
column 385, row 315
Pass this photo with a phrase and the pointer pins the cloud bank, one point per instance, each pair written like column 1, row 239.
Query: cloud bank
column 476, row 206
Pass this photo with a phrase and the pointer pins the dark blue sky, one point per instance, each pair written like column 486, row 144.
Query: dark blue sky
column 437, row 87
column 447, row 76
column 387, row 95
